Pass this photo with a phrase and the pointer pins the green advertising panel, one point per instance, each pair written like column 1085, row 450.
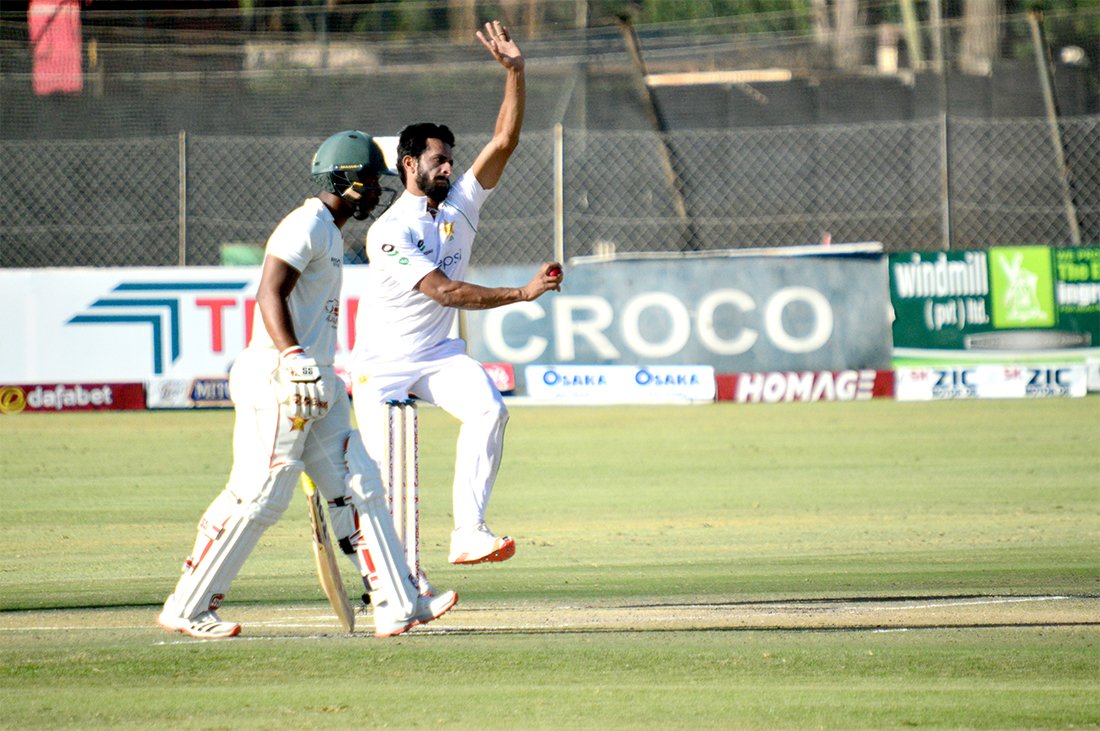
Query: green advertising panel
column 1011, row 301
column 1023, row 287
column 939, row 298
column 1077, row 282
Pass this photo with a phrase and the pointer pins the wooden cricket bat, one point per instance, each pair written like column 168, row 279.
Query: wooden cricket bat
column 327, row 570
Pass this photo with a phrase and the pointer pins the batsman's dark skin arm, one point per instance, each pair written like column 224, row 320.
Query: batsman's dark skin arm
column 276, row 283
column 278, row 279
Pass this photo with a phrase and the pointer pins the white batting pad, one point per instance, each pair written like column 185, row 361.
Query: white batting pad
column 381, row 560
column 228, row 532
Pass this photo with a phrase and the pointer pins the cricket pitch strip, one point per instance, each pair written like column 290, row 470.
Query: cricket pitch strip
column 851, row 614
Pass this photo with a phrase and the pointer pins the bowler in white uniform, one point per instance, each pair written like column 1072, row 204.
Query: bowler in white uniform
column 418, row 253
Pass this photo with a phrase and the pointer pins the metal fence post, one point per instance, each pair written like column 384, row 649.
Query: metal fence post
column 559, row 193
column 183, row 199
column 945, row 179
column 1042, row 60
column 945, row 125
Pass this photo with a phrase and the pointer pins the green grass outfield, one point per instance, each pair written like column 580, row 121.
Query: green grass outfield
column 837, row 565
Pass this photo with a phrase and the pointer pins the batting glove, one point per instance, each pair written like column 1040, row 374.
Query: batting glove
column 299, row 385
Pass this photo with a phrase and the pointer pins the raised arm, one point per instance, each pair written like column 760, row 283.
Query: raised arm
column 490, row 162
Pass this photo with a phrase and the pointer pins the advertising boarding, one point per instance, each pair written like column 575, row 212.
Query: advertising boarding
column 177, row 331
column 1007, row 322
column 1005, row 300
column 757, row 312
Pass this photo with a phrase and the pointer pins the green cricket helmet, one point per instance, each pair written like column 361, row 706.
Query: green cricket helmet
column 347, row 162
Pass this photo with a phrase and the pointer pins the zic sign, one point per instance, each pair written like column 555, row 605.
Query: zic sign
column 991, row 381
column 1048, row 381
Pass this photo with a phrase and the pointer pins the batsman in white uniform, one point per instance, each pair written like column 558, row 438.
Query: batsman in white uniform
column 418, row 253
column 293, row 415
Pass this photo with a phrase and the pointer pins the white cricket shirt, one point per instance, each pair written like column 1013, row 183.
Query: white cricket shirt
column 308, row 240
column 395, row 322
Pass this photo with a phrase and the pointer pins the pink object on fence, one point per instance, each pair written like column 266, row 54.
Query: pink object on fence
column 56, row 46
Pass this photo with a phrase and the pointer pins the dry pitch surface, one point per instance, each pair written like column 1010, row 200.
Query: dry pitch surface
column 895, row 614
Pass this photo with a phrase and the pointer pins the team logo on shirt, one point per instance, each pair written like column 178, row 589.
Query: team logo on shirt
column 448, row 230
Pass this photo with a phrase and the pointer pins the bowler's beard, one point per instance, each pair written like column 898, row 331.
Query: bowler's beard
column 435, row 188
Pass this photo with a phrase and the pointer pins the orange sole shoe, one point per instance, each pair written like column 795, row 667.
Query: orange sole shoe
column 505, row 551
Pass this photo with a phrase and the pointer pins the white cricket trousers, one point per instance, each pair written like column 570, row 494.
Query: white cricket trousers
column 270, row 451
column 460, row 386
column 264, row 435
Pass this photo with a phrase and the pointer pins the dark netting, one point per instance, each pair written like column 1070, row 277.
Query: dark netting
column 191, row 133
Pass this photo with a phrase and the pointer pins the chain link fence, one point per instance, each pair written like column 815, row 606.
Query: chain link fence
column 934, row 154
column 186, row 199
column 912, row 186
column 1008, row 188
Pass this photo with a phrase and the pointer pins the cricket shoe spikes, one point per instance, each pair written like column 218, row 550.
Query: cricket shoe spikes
column 206, row 626
column 427, row 609
column 480, row 545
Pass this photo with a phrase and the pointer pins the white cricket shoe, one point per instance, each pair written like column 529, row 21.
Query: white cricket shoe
column 427, row 609
column 206, row 626
column 480, row 545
